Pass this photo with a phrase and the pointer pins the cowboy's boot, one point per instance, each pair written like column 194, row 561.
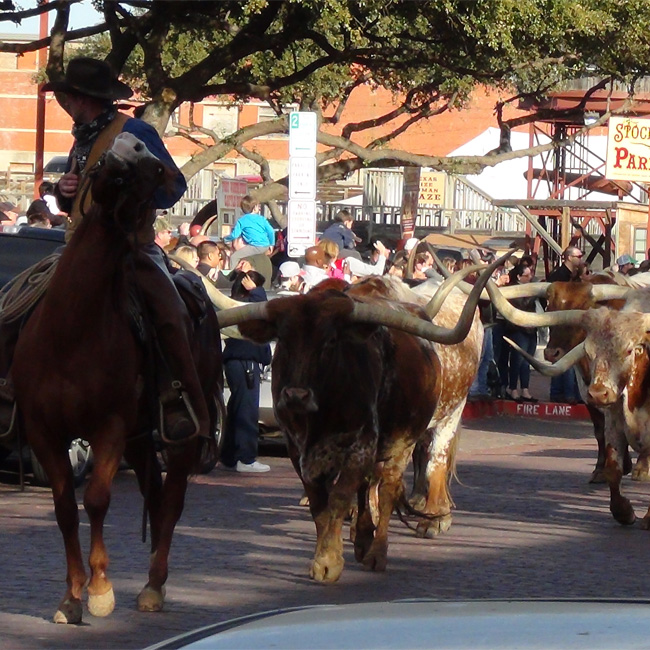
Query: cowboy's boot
column 7, row 407
column 183, row 409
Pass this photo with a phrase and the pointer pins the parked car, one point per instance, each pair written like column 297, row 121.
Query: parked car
column 55, row 168
column 21, row 248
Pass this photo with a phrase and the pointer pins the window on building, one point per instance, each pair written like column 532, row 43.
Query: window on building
column 267, row 114
column 221, row 118
column 640, row 243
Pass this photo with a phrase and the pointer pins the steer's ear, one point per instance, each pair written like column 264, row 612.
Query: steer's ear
column 639, row 383
column 259, row 331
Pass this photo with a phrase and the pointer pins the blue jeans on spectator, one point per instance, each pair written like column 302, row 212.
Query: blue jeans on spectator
column 480, row 385
column 501, row 353
column 519, row 367
column 241, row 433
column 564, row 388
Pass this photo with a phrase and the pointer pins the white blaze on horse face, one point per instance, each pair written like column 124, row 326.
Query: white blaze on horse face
column 130, row 149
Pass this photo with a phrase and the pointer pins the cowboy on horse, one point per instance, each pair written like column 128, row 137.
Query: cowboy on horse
column 87, row 93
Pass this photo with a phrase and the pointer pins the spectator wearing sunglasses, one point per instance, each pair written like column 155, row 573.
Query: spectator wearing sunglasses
column 571, row 261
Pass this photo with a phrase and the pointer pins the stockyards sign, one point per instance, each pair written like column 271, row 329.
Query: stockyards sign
column 628, row 149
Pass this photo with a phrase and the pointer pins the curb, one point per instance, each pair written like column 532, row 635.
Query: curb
column 540, row 410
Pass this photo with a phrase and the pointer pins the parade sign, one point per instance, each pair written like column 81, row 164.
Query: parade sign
column 628, row 149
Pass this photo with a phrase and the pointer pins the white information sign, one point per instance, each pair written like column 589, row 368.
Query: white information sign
column 301, row 231
column 303, row 126
column 628, row 149
column 302, row 178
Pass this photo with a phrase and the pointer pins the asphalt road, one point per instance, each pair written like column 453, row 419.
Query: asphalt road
column 527, row 524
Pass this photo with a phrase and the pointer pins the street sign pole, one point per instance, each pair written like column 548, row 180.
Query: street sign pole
column 301, row 231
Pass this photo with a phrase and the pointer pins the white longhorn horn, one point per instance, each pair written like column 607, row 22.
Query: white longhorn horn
column 602, row 292
column 371, row 313
column 530, row 319
column 218, row 299
column 536, row 289
column 552, row 369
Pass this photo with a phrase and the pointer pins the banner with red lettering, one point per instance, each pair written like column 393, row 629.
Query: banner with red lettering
column 628, row 149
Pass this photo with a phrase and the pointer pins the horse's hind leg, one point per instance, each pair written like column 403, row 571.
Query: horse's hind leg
column 107, row 454
column 141, row 456
column 165, row 515
column 56, row 464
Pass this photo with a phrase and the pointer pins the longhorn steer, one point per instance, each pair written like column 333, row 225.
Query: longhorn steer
column 435, row 453
column 562, row 338
column 353, row 396
column 617, row 350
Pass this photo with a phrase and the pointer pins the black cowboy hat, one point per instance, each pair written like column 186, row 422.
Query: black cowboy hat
column 90, row 77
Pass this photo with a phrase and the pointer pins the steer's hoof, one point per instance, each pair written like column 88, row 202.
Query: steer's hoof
column 101, row 605
column 326, row 572
column 151, row 600
column 69, row 611
column 640, row 473
column 598, row 476
column 430, row 528
column 623, row 512
column 418, row 501
column 376, row 559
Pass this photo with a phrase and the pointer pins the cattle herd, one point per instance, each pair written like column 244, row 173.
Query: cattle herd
column 366, row 377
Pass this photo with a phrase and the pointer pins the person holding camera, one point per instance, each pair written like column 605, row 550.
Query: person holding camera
column 242, row 363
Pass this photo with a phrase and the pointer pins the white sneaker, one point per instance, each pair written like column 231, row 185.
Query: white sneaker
column 254, row 467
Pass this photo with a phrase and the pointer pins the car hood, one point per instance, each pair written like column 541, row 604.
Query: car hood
column 476, row 625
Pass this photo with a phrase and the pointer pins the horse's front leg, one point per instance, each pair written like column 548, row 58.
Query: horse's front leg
column 56, row 464
column 108, row 448
column 167, row 513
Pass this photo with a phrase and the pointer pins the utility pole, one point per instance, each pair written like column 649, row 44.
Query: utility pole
column 39, row 148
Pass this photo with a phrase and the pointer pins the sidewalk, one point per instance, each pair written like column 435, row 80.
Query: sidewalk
column 544, row 409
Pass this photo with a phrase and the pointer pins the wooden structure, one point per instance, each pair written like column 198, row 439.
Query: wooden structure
column 567, row 195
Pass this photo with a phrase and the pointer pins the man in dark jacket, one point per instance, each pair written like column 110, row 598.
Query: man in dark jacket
column 571, row 259
column 242, row 362
column 564, row 387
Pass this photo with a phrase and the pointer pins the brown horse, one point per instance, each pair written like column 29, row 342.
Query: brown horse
column 79, row 371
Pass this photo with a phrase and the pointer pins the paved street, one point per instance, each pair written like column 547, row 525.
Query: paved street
column 527, row 524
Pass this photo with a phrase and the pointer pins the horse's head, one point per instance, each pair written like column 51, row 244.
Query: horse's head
column 125, row 180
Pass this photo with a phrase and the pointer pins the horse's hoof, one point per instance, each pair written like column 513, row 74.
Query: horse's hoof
column 151, row 600
column 326, row 572
column 101, row 605
column 69, row 611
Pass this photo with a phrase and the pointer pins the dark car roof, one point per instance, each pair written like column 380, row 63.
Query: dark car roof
column 22, row 249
